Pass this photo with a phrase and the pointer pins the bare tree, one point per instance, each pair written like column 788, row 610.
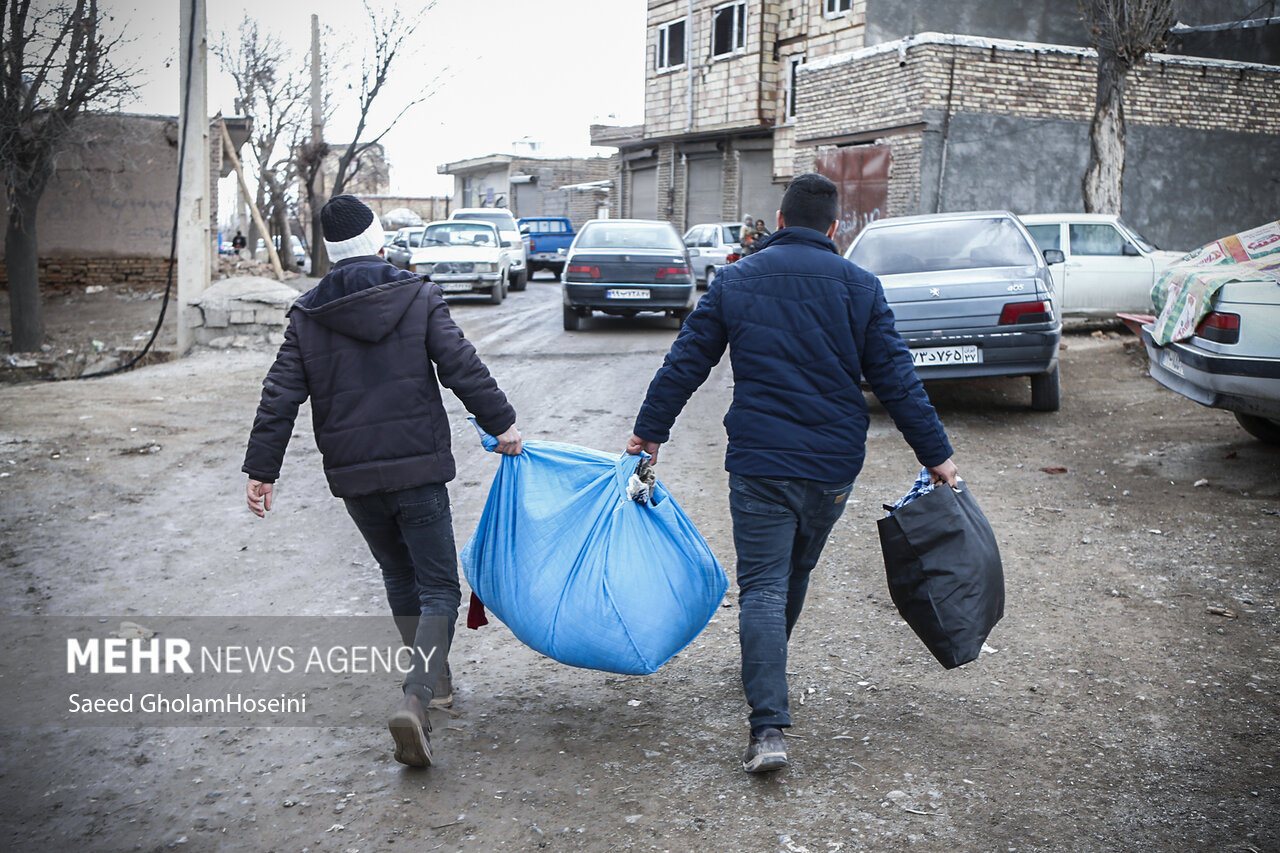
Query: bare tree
column 391, row 30
column 273, row 96
column 54, row 64
column 1123, row 32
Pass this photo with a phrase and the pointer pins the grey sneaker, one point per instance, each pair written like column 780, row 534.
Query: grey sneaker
column 766, row 751
column 409, row 727
column 443, row 697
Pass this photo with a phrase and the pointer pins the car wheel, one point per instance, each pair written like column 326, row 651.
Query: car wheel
column 1045, row 391
column 711, row 276
column 557, row 270
column 1263, row 429
column 498, row 292
column 519, row 280
column 681, row 316
column 572, row 319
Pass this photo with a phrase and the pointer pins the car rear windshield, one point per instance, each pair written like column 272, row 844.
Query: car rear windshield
column 503, row 220
column 948, row 245
column 629, row 235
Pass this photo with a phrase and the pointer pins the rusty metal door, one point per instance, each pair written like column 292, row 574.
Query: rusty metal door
column 862, row 174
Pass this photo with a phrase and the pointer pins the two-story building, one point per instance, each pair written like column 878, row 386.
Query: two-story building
column 921, row 106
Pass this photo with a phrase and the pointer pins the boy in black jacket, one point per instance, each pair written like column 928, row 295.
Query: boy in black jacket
column 362, row 345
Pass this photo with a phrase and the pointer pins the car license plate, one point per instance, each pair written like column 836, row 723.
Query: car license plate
column 1171, row 361
column 627, row 293
column 456, row 286
column 930, row 356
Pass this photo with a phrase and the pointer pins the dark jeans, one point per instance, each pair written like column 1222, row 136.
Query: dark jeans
column 779, row 530
column 410, row 533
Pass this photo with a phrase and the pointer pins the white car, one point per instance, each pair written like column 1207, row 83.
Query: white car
column 513, row 243
column 463, row 257
column 1223, row 351
column 1110, row 267
column 711, row 246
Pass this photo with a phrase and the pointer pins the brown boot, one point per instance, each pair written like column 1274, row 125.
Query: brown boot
column 409, row 727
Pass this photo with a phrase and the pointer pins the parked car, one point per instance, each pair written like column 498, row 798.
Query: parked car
column 971, row 295
column 300, row 255
column 547, row 239
column 624, row 267
column 463, row 257
column 516, row 250
column 402, row 245
column 712, row 246
column 1109, row 267
column 1217, row 340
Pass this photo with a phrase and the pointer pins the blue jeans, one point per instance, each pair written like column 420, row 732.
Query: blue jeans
column 779, row 530
column 410, row 533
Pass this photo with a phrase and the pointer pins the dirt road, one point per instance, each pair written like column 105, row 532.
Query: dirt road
column 1129, row 701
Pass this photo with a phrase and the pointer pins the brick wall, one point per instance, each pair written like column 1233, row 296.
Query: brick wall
column 58, row 273
column 890, row 96
column 872, row 90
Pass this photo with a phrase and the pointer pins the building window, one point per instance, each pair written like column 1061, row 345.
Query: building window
column 728, row 29
column 793, row 69
column 832, row 8
column 671, row 42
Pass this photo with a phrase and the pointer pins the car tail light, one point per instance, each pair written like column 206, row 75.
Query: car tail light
column 665, row 273
column 581, row 272
column 731, row 257
column 1220, row 328
column 533, row 245
column 1026, row 312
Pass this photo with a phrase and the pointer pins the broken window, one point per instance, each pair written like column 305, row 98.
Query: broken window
column 728, row 29
column 670, row 45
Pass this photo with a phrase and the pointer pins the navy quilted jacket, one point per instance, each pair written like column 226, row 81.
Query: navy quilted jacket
column 804, row 328
column 362, row 345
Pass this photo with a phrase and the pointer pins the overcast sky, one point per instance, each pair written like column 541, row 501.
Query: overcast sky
column 542, row 70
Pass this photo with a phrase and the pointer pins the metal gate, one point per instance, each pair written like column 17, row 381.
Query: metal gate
column 862, row 174
column 644, row 192
column 705, row 198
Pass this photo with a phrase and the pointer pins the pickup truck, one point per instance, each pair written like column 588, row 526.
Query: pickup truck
column 548, row 239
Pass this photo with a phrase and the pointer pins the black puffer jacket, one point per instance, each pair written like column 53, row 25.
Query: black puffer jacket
column 362, row 345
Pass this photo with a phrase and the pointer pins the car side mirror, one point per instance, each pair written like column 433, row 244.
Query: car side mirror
column 506, row 243
column 1129, row 250
column 1054, row 256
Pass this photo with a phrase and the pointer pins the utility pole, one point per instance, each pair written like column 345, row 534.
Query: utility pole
column 318, row 264
column 194, row 230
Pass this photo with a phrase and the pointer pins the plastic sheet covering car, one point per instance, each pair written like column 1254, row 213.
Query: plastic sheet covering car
column 1183, row 295
column 583, row 574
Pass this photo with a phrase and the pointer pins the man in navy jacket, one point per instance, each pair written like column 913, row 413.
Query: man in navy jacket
column 362, row 344
column 804, row 328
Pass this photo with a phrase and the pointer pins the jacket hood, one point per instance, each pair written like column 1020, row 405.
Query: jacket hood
column 362, row 298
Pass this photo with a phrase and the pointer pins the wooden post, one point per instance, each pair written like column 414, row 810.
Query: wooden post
column 253, row 206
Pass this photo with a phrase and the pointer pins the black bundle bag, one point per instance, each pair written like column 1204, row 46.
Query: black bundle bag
column 944, row 572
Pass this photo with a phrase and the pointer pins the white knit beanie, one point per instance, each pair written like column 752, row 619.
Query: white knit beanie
column 351, row 228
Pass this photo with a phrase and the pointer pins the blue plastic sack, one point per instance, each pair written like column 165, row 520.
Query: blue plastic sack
column 581, row 573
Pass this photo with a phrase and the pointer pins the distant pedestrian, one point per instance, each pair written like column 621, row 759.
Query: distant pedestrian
column 370, row 345
column 747, row 237
column 804, row 328
column 238, row 243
